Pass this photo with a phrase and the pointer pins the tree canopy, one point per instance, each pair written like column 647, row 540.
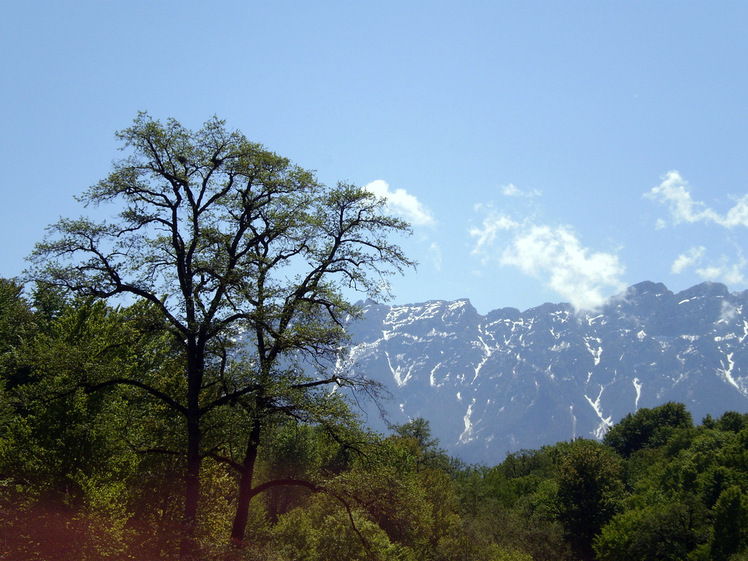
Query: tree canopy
column 225, row 241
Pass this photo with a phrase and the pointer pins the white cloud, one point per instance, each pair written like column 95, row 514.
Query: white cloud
column 722, row 270
column 512, row 191
column 729, row 273
column 491, row 227
column 553, row 255
column 403, row 203
column 738, row 215
column 688, row 259
column 674, row 190
column 729, row 312
column 712, row 272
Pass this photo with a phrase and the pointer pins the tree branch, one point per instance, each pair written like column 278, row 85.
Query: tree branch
column 89, row 387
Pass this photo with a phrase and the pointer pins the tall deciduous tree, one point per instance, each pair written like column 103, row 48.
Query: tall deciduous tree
column 730, row 524
column 589, row 490
column 222, row 236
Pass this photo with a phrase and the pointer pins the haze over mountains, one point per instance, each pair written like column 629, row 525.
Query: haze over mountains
column 508, row 380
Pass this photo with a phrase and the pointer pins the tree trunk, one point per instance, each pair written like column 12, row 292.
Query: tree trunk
column 195, row 362
column 192, row 476
column 245, row 484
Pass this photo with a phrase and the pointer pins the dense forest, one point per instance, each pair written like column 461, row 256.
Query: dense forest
column 93, row 470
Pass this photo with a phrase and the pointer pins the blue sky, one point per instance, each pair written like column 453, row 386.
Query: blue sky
column 543, row 150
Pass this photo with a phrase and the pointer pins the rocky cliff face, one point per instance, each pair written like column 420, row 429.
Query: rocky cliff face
column 510, row 380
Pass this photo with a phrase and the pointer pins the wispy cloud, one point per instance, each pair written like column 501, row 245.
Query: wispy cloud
column 512, row 191
column 729, row 273
column 402, row 203
column 493, row 225
column 723, row 269
column 554, row 255
column 676, row 193
column 685, row 260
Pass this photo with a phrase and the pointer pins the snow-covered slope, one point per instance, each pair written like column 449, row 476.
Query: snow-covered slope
column 510, row 380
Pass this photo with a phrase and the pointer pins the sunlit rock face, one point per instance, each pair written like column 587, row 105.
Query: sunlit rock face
column 510, row 380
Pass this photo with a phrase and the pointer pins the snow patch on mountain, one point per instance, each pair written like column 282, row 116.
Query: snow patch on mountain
column 605, row 422
column 525, row 379
column 638, row 387
column 467, row 434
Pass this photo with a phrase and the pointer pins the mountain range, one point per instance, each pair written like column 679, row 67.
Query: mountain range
column 510, row 380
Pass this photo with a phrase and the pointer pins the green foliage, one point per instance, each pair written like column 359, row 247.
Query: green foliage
column 66, row 460
column 675, row 488
column 464, row 547
column 324, row 531
column 730, row 524
column 219, row 237
column 65, row 440
column 91, row 469
column 416, row 437
column 590, row 489
column 16, row 320
column 513, row 506
column 732, row 421
column 662, row 531
column 647, row 428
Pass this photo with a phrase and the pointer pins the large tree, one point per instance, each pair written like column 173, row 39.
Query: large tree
column 225, row 239
column 589, row 491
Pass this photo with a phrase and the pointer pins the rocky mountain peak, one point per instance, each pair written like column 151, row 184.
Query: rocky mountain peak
column 508, row 380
